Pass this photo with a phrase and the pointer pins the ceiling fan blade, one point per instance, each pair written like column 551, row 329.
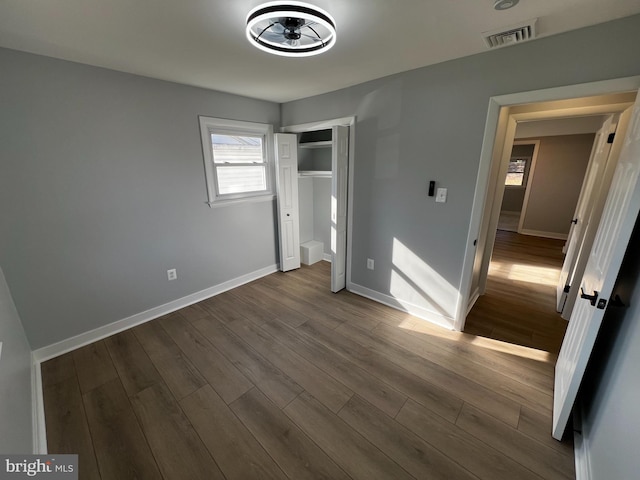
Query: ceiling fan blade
column 312, row 37
column 273, row 37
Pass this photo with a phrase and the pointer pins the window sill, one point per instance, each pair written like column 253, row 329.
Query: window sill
column 235, row 201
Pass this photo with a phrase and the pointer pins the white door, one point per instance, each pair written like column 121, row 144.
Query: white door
column 339, row 179
column 618, row 219
column 590, row 190
column 286, row 153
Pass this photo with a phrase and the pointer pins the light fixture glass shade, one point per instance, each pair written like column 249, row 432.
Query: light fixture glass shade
column 291, row 29
column 504, row 4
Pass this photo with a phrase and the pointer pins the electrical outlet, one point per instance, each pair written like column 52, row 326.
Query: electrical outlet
column 172, row 274
column 370, row 263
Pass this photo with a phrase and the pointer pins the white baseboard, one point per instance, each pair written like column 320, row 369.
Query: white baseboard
column 581, row 446
column 474, row 298
column 51, row 351
column 326, row 257
column 539, row 233
column 415, row 310
column 64, row 346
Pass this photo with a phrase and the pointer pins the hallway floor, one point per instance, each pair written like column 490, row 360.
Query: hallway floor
column 519, row 303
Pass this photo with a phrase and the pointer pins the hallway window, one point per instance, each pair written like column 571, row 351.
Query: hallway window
column 518, row 171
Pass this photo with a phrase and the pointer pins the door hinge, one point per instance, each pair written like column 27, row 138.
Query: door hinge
column 567, row 288
column 616, row 302
column 611, row 137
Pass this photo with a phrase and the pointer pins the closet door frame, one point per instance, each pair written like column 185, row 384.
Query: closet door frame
column 329, row 124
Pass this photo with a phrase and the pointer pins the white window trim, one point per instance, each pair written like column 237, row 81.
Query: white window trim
column 208, row 125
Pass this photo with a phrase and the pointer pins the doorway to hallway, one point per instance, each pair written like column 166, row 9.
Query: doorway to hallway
column 519, row 303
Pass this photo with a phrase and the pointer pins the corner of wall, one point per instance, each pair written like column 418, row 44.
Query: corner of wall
column 581, row 445
column 37, row 405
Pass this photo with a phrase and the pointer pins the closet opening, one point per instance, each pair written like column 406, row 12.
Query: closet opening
column 313, row 187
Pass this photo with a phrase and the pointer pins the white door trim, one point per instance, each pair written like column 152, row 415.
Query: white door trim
column 627, row 84
column 527, row 188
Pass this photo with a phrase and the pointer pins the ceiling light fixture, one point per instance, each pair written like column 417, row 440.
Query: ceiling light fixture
column 291, row 29
column 504, row 4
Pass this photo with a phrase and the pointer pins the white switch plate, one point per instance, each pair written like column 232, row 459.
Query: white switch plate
column 370, row 263
column 441, row 195
column 172, row 274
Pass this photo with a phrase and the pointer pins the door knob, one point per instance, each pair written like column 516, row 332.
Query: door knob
column 592, row 298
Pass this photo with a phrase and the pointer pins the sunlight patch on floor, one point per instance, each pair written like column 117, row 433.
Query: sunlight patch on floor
column 511, row 349
column 520, row 272
column 419, row 325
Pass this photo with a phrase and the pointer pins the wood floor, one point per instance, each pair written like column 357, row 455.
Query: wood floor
column 519, row 303
column 281, row 379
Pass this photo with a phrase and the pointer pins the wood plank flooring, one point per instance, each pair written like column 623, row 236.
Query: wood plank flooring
column 281, row 379
column 519, row 303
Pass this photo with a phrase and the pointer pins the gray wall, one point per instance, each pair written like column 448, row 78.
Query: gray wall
column 513, row 199
column 305, row 208
column 322, row 212
column 559, row 126
column 428, row 124
column 102, row 190
column 314, row 204
column 611, row 424
column 15, row 378
column 556, row 183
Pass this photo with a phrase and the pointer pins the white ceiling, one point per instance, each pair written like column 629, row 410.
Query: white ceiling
column 202, row 42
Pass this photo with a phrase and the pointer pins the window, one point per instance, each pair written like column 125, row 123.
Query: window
column 518, row 171
column 236, row 159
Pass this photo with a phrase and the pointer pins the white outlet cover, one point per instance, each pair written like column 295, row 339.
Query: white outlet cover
column 172, row 274
column 441, row 195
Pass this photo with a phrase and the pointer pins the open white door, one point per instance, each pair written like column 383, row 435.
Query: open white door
column 618, row 219
column 588, row 198
column 286, row 153
column 339, row 179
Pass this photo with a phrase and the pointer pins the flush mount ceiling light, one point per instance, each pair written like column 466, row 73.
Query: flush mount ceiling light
column 291, row 29
column 504, row 4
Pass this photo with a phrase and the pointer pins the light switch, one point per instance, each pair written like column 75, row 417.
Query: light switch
column 441, row 195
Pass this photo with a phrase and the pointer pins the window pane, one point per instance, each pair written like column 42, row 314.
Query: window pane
column 517, row 169
column 514, row 179
column 236, row 149
column 241, row 179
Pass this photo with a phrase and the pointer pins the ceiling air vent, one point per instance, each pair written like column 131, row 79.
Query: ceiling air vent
column 508, row 36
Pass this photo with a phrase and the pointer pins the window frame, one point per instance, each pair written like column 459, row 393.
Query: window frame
column 212, row 125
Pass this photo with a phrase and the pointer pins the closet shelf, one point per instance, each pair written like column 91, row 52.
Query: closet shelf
column 314, row 173
column 321, row 144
